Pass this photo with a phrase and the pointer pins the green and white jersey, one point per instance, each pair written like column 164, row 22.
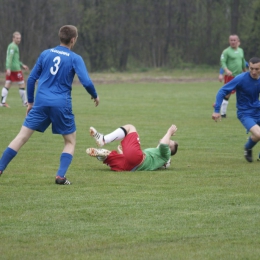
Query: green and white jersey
column 13, row 57
column 234, row 60
column 155, row 158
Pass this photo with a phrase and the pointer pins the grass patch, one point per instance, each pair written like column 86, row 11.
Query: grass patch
column 206, row 206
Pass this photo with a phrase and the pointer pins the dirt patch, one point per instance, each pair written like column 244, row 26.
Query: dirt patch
column 100, row 80
column 152, row 80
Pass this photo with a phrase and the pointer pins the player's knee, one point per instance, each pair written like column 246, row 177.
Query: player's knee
column 226, row 98
column 129, row 128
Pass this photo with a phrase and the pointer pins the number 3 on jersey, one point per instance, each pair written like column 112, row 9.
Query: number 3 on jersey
column 55, row 68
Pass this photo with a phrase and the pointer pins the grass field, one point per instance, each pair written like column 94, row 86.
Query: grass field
column 206, row 206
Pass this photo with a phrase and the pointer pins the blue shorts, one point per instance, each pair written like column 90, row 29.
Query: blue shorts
column 248, row 121
column 61, row 118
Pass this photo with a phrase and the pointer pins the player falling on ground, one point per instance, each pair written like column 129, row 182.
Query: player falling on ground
column 130, row 156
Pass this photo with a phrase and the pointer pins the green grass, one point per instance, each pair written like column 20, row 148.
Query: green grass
column 206, row 206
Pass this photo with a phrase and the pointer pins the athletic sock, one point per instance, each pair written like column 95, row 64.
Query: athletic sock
column 224, row 106
column 22, row 95
column 4, row 94
column 118, row 134
column 7, row 157
column 250, row 144
column 65, row 161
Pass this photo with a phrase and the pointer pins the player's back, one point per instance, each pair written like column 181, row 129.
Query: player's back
column 55, row 70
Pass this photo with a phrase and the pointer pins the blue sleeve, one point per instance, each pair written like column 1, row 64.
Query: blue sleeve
column 226, row 89
column 33, row 77
column 81, row 71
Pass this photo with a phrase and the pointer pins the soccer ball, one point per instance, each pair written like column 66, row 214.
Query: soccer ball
column 166, row 165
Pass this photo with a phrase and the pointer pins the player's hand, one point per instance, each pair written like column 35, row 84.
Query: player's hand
column 8, row 72
column 220, row 77
column 216, row 117
column 25, row 67
column 29, row 107
column 172, row 129
column 96, row 100
column 228, row 72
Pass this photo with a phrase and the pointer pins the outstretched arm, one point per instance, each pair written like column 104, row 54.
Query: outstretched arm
column 167, row 137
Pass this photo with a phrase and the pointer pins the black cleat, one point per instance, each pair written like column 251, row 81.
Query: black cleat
column 224, row 116
column 248, row 155
column 62, row 181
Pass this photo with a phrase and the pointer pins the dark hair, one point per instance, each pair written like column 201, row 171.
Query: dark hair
column 174, row 149
column 254, row 60
column 67, row 32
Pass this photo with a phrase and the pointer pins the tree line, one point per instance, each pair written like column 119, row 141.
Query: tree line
column 126, row 34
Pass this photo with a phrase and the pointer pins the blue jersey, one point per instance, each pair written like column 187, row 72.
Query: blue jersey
column 55, row 70
column 247, row 93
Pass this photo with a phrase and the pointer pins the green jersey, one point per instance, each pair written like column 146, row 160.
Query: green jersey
column 155, row 158
column 13, row 57
column 234, row 60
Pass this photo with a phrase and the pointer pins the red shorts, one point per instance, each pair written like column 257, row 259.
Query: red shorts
column 15, row 76
column 132, row 154
column 227, row 79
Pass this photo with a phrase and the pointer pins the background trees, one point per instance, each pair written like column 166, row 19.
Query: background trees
column 122, row 34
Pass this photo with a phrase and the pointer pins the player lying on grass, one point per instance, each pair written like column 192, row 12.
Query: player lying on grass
column 130, row 156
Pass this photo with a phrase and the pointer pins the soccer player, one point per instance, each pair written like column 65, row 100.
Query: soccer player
column 233, row 63
column 54, row 70
column 247, row 86
column 221, row 73
column 13, row 71
column 130, row 157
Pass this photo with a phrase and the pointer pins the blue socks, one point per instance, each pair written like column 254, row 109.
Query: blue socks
column 250, row 144
column 65, row 161
column 7, row 157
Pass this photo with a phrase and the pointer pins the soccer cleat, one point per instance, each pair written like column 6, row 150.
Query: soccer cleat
column 4, row 105
column 62, row 181
column 100, row 154
column 224, row 116
column 248, row 155
column 25, row 104
column 97, row 136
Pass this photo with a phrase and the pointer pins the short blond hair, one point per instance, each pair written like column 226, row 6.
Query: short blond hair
column 16, row 33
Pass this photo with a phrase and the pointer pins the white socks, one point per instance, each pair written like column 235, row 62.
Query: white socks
column 22, row 93
column 4, row 94
column 118, row 134
column 224, row 105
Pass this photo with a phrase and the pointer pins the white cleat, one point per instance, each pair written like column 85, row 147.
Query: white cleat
column 97, row 136
column 100, row 154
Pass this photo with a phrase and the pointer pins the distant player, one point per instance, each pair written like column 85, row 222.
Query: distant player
column 130, row 157
column 233, row 63
column 13, row 71
column 54, row 70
